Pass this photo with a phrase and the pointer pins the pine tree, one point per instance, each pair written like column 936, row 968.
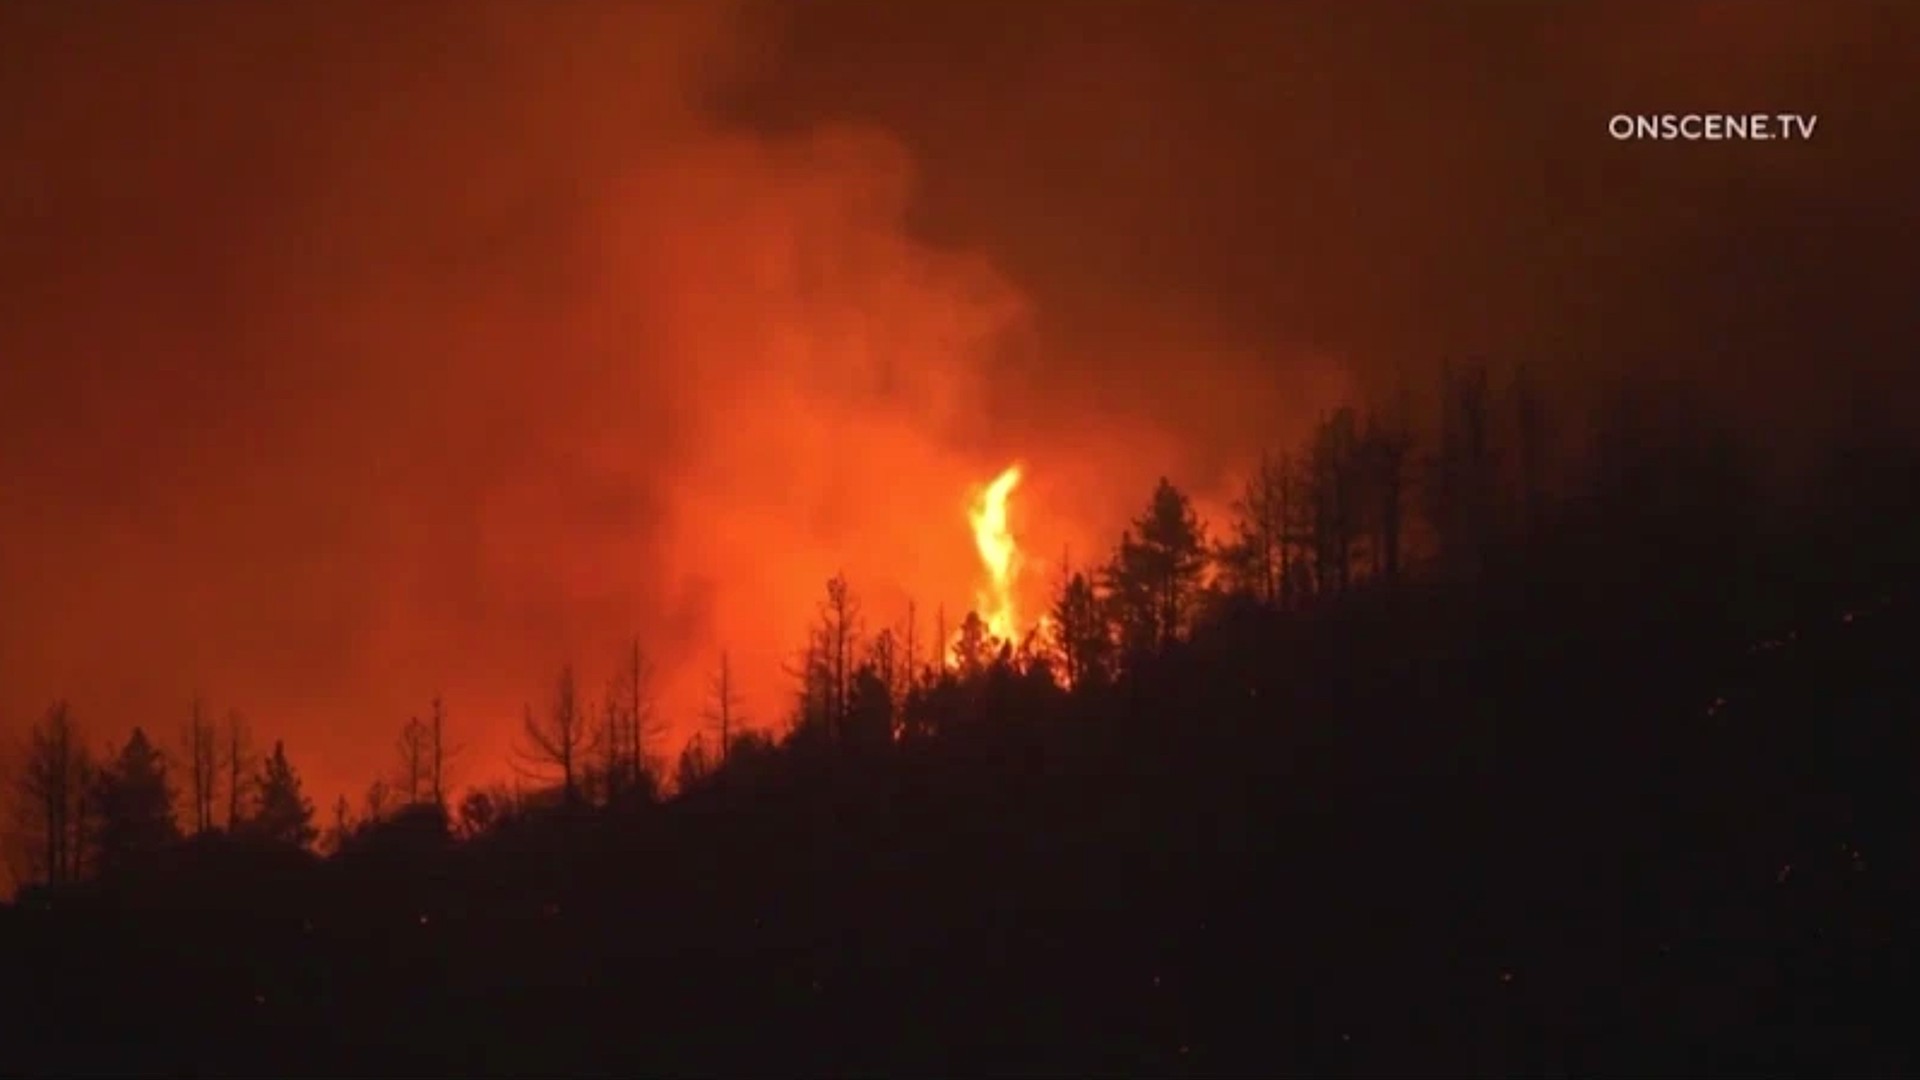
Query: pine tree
column 1156, row 574
column 1083, row 639
column 974, row 649
column 135, row 805
column 282, row 814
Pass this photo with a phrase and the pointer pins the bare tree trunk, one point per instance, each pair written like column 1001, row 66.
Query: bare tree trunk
column 1532, row 452
column 237, row 762
column 726, row 707
column 636, row 712
column 54, row 784
column 438, row 745
column 566, row 721
column 1289, row 533
column 562, row 740
column 912, row 645
column 722, row 712
column 613, row 757
column 203, row 765
column 415, row 758
column 940, row 638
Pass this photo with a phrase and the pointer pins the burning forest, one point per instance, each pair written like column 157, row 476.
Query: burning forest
column 725, row 537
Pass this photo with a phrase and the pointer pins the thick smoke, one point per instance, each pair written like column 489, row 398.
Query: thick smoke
column 351, row 353
column 366, row 354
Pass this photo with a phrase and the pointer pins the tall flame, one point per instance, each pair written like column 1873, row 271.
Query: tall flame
column 999, row 555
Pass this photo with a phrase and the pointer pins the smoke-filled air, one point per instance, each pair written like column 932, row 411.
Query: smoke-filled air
column 518, row 407
column 358, row 356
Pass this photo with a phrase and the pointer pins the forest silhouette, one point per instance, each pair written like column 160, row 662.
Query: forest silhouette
column 1491, row 741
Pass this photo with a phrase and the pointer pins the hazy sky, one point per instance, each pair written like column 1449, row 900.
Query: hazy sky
column 351, row 352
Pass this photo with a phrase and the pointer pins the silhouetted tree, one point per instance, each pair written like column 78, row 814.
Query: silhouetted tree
column 630, row 727
column 202, row 746
column 869, row 721
column 1034, row 651
column 438, row 752
column 1082, row 635
column 840, row 641
column 416, row 759
column 987, row 845
column 695, row 766
column 828, row 664
column 611, row 737
column 340, row 833
column 1156, row 574
column 1463, row 473
column 1532, row 452
column 883, row 653
column 909, row 672
column 751, row 748
column 239, row 762
column 282, row 814
column 135, row 806
column 413, row 831
column 53, row 786
column 561, row 741
column 940, row 703
column 379, row 802
column 1384, row 450
column 1334, row 478
column 722, row 712
column 943, row 657
column 1257, row 558
column 480, row 811
column 974, row 648
column 811, row 702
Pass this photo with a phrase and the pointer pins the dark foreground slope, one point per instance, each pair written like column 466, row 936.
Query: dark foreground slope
column 1481, row 851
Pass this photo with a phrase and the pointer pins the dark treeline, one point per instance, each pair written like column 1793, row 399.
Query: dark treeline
column 1517, row 746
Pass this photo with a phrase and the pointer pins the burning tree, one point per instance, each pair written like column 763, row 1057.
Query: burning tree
column 974, row 647
column 999, row 554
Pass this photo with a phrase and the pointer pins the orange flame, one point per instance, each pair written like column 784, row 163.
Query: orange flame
column 999, row 555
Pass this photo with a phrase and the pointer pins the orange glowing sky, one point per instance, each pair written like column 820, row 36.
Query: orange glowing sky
column 351, row 352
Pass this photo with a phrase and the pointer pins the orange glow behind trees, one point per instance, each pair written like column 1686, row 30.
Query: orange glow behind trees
column 619, row 322
column 547, row 360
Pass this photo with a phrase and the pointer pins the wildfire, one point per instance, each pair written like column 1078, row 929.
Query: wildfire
column 999, row 555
